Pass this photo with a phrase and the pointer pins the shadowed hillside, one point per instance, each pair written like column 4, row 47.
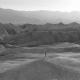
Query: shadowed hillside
column 35, row 35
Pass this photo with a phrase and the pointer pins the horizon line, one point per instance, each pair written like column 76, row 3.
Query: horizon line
column 40, row 10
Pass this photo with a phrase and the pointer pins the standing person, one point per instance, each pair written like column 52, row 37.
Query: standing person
column 45, row 53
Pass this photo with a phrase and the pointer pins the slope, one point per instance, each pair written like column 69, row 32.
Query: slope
column 40, row 70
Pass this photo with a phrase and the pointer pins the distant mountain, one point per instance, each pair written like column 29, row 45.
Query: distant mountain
column 54, row 16
column 38, row 17
column 15, row 17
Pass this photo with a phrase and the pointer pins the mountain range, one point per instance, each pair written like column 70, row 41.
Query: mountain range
column 38, row 17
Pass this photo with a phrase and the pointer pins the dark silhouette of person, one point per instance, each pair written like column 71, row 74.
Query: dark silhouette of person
column 45, row 53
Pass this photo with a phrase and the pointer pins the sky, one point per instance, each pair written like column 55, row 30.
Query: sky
column 52, row 5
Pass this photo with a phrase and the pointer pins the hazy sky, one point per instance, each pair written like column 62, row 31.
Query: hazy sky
column 61, row 5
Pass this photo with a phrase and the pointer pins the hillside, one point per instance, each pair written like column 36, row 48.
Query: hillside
column 36, row 35
column 15, row 17
column 38, row 17
column 29, row 34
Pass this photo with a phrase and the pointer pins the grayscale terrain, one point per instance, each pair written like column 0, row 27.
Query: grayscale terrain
column 38, row 17
column 39, row 45
column 32, row 64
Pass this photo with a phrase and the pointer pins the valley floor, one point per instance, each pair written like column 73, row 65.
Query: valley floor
column 70, row 61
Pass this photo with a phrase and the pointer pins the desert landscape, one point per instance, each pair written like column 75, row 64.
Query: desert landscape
column 36, row 66
column 39, row 39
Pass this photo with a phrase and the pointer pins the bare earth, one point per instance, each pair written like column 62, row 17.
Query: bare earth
column 71, row 60
column 44, row 66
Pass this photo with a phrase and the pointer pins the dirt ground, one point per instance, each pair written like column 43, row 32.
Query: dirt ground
column 69, row 60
